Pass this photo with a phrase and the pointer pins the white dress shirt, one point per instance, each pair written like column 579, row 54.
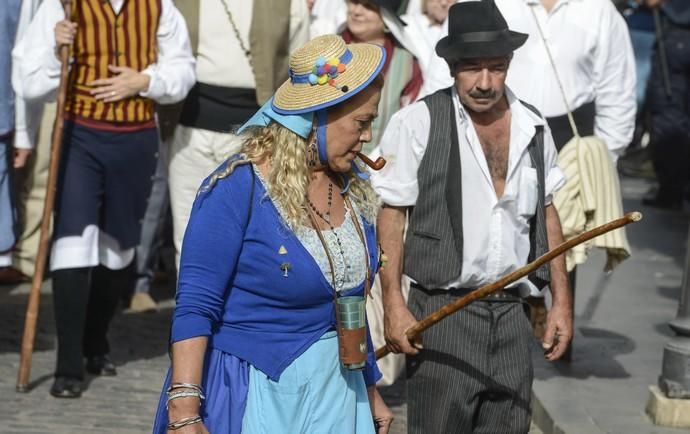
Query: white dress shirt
column 171, row 76
column 591, row 47
column 496, row 230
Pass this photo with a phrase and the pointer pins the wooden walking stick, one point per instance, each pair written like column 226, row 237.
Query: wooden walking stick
column 35, row 294
column 451, row 308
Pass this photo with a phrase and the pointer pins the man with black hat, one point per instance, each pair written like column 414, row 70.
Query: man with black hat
column 475, row 168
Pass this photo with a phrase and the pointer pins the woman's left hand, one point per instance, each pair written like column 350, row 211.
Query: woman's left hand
column 383, row 416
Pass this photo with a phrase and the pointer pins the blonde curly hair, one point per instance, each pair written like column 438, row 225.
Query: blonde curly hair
column 289, row 174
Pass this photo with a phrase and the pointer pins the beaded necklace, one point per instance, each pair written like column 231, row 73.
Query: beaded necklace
column 360, row 233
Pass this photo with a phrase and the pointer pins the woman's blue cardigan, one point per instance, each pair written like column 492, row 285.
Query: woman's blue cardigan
column 232, row 286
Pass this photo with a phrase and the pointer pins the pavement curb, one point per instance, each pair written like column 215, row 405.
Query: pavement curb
column 542, row 419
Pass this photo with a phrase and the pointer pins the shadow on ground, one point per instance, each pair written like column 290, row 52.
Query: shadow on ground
column 594, row 355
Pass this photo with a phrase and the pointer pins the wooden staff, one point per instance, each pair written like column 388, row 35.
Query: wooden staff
column 482, row 292
column 35, row 294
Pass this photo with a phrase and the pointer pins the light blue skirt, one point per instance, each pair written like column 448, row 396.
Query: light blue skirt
column 314, row 395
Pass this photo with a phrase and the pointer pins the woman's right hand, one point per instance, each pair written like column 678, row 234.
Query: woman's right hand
column 65, row 31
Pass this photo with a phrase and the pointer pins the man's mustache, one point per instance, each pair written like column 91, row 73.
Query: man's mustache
column 476, row 93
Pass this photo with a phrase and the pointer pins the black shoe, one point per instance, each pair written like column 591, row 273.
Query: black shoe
column 66, row 387
column 100, row 365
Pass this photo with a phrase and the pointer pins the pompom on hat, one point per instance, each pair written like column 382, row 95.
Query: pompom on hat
column 327, row 71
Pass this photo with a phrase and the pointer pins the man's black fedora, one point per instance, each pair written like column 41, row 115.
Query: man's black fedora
column 477, row 29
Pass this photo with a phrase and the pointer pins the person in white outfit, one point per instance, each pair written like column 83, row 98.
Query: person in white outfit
column 242, row 51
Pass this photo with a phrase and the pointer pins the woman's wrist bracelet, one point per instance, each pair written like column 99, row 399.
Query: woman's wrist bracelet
column 176, row 386
column 184, row 422
column 183, row 394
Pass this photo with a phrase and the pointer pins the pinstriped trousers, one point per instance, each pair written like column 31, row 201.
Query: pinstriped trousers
column 474, row 374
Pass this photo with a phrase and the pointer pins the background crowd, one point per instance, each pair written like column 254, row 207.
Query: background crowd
column 623, row 76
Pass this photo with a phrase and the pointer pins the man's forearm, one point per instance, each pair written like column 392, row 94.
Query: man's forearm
column 559, row 274
column 390, row 227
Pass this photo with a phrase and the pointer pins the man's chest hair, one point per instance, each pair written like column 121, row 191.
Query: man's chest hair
column 495, row 141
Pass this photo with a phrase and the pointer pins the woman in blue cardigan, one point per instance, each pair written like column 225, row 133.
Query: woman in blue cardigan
column 277, row 234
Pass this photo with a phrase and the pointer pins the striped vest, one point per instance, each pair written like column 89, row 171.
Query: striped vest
column 105, row 38
column 434, row 241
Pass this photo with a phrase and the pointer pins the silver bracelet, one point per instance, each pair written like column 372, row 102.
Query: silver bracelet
column 173, row 396
column 174, row 426
column 175, row 386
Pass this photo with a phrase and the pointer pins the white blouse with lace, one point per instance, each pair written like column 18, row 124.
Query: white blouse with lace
column 349, row 263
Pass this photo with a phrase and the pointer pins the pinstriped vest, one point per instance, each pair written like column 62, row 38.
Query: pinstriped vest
column 434, row 242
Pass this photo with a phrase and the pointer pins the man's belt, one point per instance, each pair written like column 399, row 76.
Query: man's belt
column 504, row 295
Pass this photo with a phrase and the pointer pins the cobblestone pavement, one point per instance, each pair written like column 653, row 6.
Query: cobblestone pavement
column 124, row 404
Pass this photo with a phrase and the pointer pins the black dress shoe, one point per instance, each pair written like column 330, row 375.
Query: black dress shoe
column 100, row 365
column 66, row 387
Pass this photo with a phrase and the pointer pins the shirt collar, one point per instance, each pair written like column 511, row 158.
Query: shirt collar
column 526, row 116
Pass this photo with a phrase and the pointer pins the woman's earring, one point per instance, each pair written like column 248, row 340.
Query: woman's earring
column 312, row 154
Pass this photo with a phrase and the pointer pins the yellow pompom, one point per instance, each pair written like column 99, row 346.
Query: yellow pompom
column 323, row 79
column 333, row 61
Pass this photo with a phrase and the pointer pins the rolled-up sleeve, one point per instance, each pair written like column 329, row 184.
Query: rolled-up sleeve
column 403, row 145
column 173, row 73
column 554, row 176
column 211, row 248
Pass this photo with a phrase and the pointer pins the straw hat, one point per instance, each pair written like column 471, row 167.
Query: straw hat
column 326, row 71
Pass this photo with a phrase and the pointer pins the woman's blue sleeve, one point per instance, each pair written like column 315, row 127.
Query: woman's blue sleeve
column 210, row 252
column 371, row 371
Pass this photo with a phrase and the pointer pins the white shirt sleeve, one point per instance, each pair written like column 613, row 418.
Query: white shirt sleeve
column 402, row 145
column 173, row 74
column 615, row 80
column 34, row 54
column 554, row 178
column 27, row 115
column 27, row 118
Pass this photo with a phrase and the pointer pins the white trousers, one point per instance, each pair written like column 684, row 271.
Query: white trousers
column 194, row 155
